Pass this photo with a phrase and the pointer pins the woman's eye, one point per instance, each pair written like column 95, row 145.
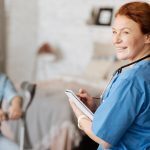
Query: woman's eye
column 114, row 32
column 126, row 32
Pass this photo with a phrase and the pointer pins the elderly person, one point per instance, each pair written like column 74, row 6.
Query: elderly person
column 8, row 93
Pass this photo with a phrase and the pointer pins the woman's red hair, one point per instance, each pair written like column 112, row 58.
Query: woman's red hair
column 138, row 12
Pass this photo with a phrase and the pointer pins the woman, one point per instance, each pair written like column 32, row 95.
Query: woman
column 8, row 93
column 122, row 121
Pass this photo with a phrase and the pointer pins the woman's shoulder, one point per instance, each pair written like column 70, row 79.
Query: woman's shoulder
column 138, row 75
column 138, row 71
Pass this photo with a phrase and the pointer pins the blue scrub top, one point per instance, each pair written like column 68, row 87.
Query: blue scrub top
column 123, row 119
column 7, row 89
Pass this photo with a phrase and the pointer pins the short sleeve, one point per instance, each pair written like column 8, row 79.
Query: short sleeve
column 118, row 111
column 9, row 90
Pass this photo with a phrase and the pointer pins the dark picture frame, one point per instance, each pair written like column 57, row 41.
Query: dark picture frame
column 104, row 16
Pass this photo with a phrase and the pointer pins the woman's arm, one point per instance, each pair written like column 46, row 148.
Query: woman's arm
column 86, row 125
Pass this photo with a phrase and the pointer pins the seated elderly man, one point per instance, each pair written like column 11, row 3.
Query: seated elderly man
column 8, row 93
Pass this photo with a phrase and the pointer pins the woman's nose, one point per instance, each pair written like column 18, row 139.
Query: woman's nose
column 117, row 39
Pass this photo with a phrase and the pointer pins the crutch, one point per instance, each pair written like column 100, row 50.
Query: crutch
column 28, row 90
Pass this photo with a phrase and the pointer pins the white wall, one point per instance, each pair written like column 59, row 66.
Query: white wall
column 22, row 38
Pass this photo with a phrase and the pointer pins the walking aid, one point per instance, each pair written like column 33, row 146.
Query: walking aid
column 28, row 90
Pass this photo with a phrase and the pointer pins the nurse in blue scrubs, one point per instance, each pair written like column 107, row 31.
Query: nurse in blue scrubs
column 122, row 121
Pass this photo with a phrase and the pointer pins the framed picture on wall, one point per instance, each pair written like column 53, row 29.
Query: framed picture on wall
column 104, row 16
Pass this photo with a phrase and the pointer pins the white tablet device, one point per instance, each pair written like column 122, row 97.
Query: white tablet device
column 72, row 96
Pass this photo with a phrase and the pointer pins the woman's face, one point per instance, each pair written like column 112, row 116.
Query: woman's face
column 127, row 38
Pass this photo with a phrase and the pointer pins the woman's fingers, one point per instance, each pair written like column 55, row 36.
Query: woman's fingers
column 82, row 91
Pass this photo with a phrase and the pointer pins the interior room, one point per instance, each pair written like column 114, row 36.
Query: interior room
column 56, row 45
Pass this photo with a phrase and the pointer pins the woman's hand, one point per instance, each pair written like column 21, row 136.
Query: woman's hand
column 86, row 99
column 85, row 123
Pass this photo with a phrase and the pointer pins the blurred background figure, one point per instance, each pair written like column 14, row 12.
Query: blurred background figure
column 9, row 94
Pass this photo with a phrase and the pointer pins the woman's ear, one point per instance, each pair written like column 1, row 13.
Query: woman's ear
column 147, row 39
